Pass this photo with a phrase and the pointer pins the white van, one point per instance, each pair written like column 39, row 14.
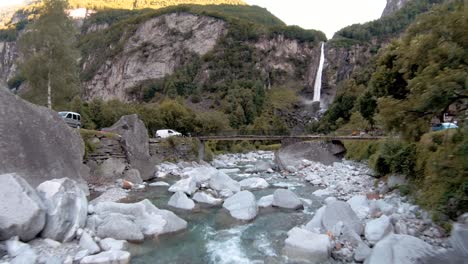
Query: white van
column 165, row 133
column 71, row 118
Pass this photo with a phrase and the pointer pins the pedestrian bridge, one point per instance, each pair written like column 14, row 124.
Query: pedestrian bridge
column 280, row 136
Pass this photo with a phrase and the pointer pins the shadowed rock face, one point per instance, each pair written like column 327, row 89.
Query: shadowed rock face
column 36, row 143
column 292, row 155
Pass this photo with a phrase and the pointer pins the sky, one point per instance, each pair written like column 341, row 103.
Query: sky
column 328, row 16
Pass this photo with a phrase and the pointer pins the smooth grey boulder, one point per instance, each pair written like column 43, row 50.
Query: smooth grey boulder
column 242, row 205
column 119, row 227
column 265, row 201
column 341, row 211
column 201, row 174
column 253, row 184
column 308, row 247
column 376, row 229
column 222, row 181
column 23, row 213
column 113, row 244
column 67, row 208
column 202, row 197
column 108, row 257
column 315, row 225
column 111, row 169
column 360, row 205
column 87, row 243
column 133, row 176
column 136, row 143
column 362, row 252
column 399, row 249
column 188, row 186
column 181, row 201
column 286, row 199
column 173, row 222
column 37, row 144
column 459, row 238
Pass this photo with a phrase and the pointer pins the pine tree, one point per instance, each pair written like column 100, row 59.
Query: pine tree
column 50, row 64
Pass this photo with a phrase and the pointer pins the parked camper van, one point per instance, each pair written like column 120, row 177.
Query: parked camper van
column 71, row 118
column 165, row 133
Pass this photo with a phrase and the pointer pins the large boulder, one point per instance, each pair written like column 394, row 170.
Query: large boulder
column 286, row 199
column 136, row 143
column 265, row 201
column 315, row 225
column 67, row 208
column 120, row 227
column 173, row 222
column 399, row 249
column 308, row 247
column 360, row 205
column 202, row 197
column 242, row 205
column 23, row 213
column 37, row 144
column 459, row 238
column 181, row 201
column 292, row 155
column 253, row 184
column 88, row 243
column 376, row 229
column 201, row 174
column 222, row 181
column 188, row 186
column 108, row 257
column 341, row 211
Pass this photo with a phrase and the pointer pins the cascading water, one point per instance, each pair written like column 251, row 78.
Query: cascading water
column 318, row 79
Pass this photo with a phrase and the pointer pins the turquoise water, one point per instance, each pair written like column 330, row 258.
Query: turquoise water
column 213, row 236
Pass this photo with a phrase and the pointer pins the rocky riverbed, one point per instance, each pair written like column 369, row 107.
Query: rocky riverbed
column 238, row 209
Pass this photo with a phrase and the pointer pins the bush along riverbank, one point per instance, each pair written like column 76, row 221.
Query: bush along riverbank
column 433, row 171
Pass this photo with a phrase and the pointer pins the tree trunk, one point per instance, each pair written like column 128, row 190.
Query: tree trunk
column 49, row 92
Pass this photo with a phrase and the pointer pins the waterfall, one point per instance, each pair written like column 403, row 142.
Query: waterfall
column 318, row 77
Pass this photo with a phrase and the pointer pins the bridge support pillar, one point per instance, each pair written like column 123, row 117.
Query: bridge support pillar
column 201, row 150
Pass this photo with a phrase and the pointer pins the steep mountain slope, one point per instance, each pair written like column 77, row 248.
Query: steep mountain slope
column 393, row 6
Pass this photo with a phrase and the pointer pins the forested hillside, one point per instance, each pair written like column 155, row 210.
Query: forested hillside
column 413, row 81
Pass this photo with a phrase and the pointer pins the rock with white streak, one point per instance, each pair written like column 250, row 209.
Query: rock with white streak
column 286, row 199
column 242, row 205
column 181, row 201
column 399, row 249
column 23, row 213
column 222, row 181
column 188, row 186
column 378, row 228
column 305, row 246
column 87, row 243
column 108, row 257
column 265, row 201
column 341, row 211
column 67, row 208
column 202, row 197
column 253, row 184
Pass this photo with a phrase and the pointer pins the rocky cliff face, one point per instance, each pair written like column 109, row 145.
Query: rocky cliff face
column 393, row 6
column 155, row 50
column 8, row 54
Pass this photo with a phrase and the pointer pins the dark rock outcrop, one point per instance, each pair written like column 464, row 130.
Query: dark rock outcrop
column 36, row 143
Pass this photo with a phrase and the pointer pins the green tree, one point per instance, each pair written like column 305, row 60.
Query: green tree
column 51, row 58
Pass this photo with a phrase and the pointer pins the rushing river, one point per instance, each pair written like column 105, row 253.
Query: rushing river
column 213, row 236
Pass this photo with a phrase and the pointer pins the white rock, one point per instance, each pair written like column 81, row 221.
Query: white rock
column 226, row 193
column 329, row 200
column 181, row 201
column 80, row 255
column 188, row 186
column 113, row 244
column 362, row 252
column 376, row 229
column 360, row 206
column 202, row 197
column 201, row 174
column 67, row 208
column 22, row 211
column 173, row 222
column 108, row 257
column 315, row 225
column 286, row 199
column 265, row 201
column 159, row 183
column 341, row 211
column 459, row 238
column 87, row 243
column 305, row 246
column 242, row 205
column 322, row 192
column 399, row 249
column 221, row 181
column 253, row 184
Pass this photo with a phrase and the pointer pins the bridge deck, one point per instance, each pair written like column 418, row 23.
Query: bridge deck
column 300, row 137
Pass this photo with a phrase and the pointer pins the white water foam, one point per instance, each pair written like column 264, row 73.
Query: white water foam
column 225, row 246
column 263, row 244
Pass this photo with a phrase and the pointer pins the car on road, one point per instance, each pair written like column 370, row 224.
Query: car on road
column 71, row 118
column 443, row 126
column 166, row 133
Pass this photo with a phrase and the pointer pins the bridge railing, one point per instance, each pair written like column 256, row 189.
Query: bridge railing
column 237, row 133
